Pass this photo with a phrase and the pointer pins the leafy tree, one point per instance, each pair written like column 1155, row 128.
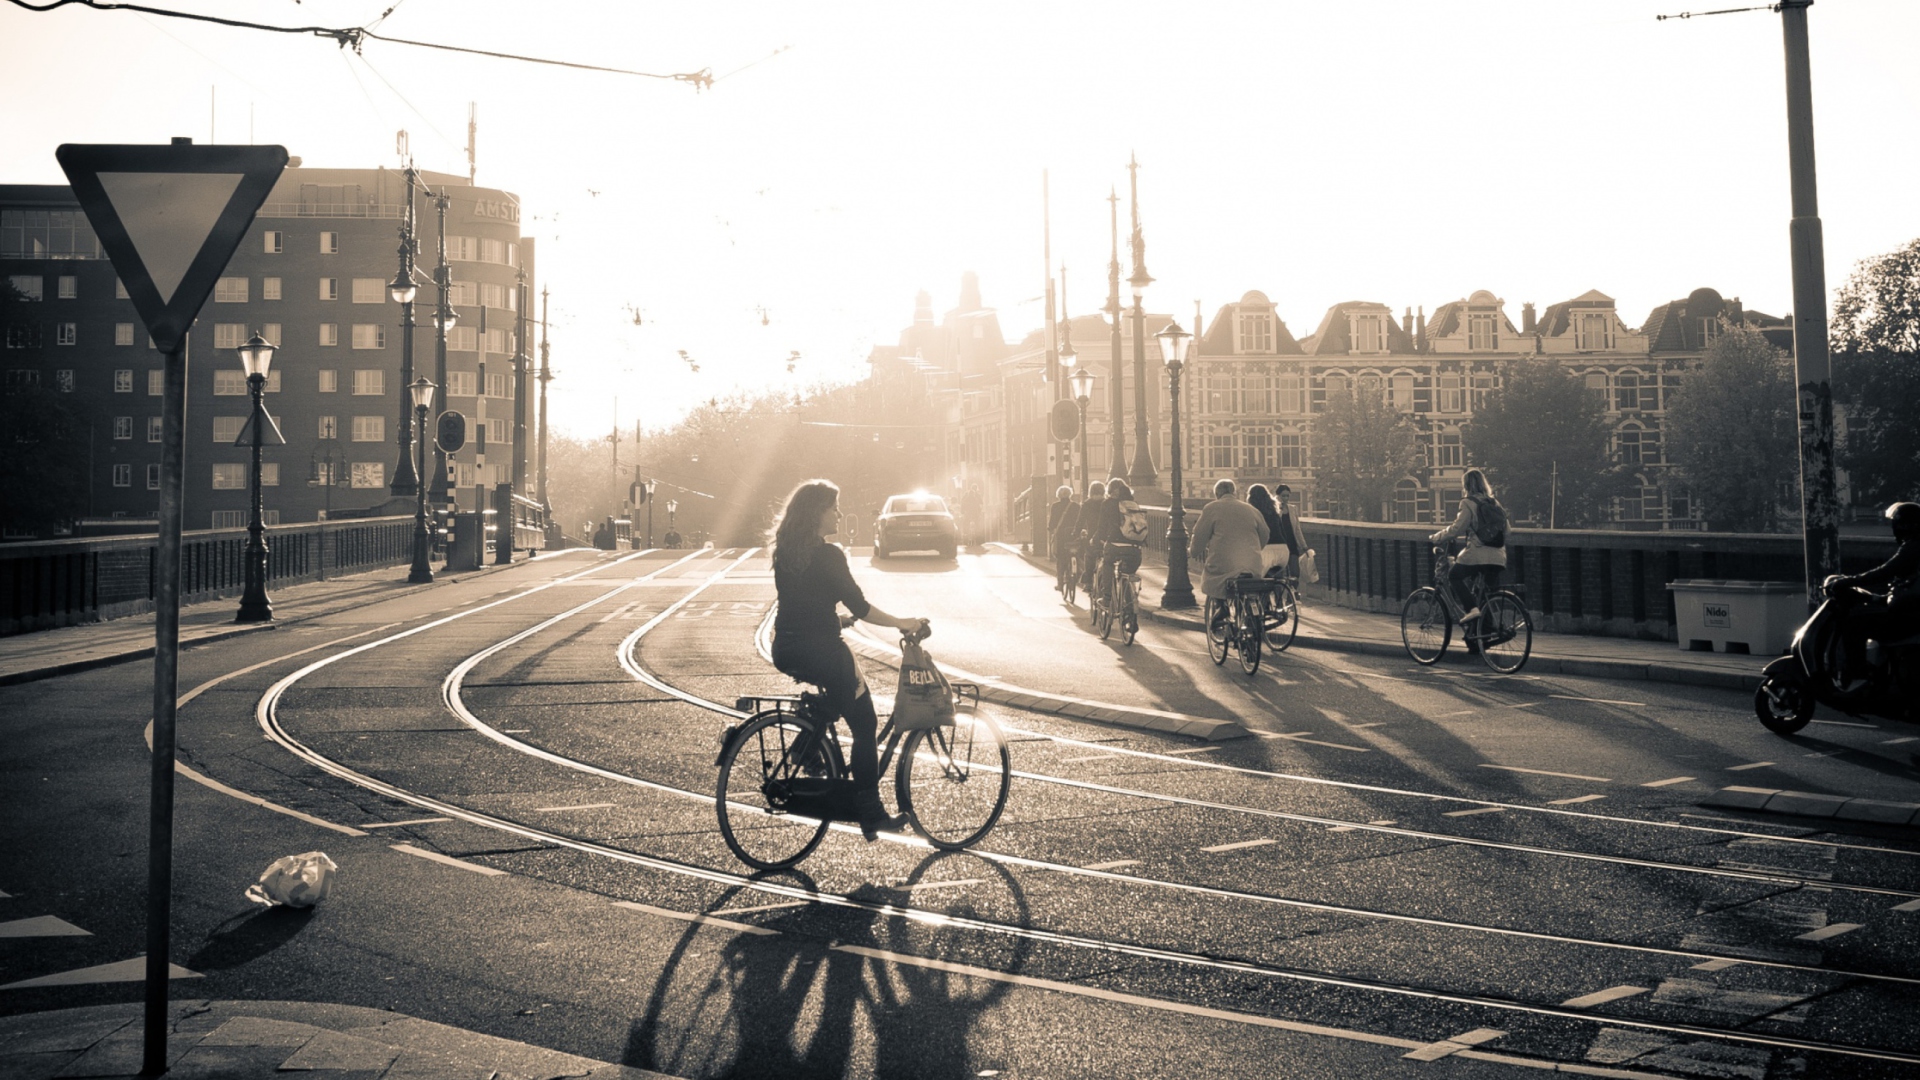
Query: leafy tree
column 43, row 459
column 1731, row 431
column 1876, row 366
column 1362, row 447
column 1540, row 421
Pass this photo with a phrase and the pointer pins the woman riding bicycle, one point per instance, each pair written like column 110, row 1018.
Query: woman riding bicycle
column 1063, row 519
column 1482, row 521
column 811, row 579
column 1107, row 543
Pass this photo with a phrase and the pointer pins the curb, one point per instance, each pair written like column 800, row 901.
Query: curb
column 1810, row 804
column 1038, row 701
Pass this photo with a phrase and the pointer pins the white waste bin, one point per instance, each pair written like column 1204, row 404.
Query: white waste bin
column 1758, row 617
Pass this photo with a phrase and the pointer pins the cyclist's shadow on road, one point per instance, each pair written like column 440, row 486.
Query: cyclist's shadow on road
column 834, row 992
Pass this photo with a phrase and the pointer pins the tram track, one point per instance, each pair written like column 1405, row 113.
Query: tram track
column 451, row 692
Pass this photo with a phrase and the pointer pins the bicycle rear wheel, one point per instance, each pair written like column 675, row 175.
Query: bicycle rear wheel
column 1283, row 618
column 952, row 780
column 1103, row 613
column 1070, row 584
column 1424, row 626
column 1504, row 632
column 1219, row 632
column 1129, row 609
column 760, row 774
column 1252, row 627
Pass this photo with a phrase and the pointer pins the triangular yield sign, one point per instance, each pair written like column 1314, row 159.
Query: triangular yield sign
column 170, row 217
column 269, row 437
column 132, row 970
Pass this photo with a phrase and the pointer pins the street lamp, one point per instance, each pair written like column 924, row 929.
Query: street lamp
column 1142, row 476
column 443, row 320
column 325, row 472
column 256, row 356
column 403, row 288
column 1173, row 352
column 421, row 390
column 672, row 505
column 1082, row 381
column 647, row 485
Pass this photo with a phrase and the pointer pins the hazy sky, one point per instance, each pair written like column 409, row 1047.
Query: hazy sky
column 1404, row 151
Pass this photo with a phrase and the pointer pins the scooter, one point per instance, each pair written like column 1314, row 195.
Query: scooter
column 1809, row 674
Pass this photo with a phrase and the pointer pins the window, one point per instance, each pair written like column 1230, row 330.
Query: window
column 369, row 381
column 1483, row 331
column 329, row 334
column 156, row 428
column 329, row 427
column 69, row 287
column 329, row 243
column 23, row 335
column 1367, row 334
column 1709, row 330
column 230, row 290
column 229, row 335
column 462, row 474
column 1452, row 394
column 120, row 290
column 19, row 377
column 369, row 429
column 500, row 386
column 1256, row 450
column 1483, row 388
column 460, row 384
column 65, row 333
column 271, row 332
column 229, row 382
column 501, row 296
column 157, row 382
column 329, row 288
column 1293, row 394
column 226, row 429
column 1293, row 451
column 63, row 380
column 493, row 251
column 1220, row 451
column 329, row 381
column 369, row 474
column 153, row 478
column 463, row 249
column 123, row 381
column 123, row 427
column 1406, row 501
column 270, row 288
column 369, row 290
column 123, row 333
column 369, row 336
column 1628, row 393
column 269, row 474
column 229, row 519
column 463, row 339
column 497, row 432
column 1592, row 331
column 463, row 293
column 123, row 476
column 31, row 286
column 1400, row 393
column 46, row 234
column 1446, row 451
column 273, row 241
column 229, row 478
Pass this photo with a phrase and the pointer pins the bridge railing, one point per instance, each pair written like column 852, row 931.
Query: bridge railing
column 52, row 583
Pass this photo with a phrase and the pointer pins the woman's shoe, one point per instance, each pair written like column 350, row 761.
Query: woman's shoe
column 873, row 816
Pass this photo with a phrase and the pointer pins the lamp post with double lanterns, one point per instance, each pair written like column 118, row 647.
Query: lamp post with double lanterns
column 1082, row 382
column 256, row 356
column 1173, row 352
column 403, row 288
column 421, row 391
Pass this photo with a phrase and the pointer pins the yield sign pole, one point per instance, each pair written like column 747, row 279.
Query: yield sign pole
column 169, row 218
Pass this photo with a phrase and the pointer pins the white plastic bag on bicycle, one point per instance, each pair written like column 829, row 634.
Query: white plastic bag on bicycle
column 925, row 699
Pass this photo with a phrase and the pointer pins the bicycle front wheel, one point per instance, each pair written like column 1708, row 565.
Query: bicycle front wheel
column 1070, row 584
column 1219, row 632
column 1252, row 628
column 1129, row 610
column 760, row 775
column 1283, row 618
column 1103, row 614
column 952, row 781
column 1424, row 626
column 1505, row 633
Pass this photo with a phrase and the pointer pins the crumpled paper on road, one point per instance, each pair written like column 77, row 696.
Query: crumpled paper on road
column 297, row 881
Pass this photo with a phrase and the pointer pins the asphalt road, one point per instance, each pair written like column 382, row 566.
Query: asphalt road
column 515, row 773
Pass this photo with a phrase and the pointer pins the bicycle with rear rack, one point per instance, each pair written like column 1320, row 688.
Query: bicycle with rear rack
column 1244, row 619
column 783, row 769
column 1502, row 633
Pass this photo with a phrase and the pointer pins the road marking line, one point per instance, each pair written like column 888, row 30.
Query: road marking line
column 1376, row 723
column 41, row 926
column 1462, row 712
column 957, row 884
column 1350, row 828
column 1597, row 700
column 1831, row 930
column 1601, row 997
column 1543, row 772
column 449, row 860
column 582, row 806
column 1667, row 781
column 1827, row 753
column 705, row 920
column 1090, row 757
column 1715, row 965
column 1749, row 765
column 1301, row 736
column 1526, row 704
column 1236, row 846
column 1451, row 1046
column 397, row 824
column 1911, row 905
column 1575, row 799
column 133, row 970
column 1114, row 865
column 1847, row 723
column 516, row 731
column 1902, row 739
column 1475, row 810
column 763, row 907
column 1195, row 750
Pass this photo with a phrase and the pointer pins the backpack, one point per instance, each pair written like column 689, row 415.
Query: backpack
column 1133, row 522
column 1490, row 523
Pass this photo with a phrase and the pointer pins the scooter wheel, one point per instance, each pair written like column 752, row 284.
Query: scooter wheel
column 1784, row 707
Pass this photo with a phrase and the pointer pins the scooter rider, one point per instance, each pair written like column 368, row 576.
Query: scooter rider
column 1895, row 612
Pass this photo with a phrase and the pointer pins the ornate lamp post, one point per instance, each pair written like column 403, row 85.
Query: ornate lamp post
column 672, row 505
column 1142, row 475
column 647, row 486
column 1082, row 381
column 256, row 356
column 443, row 320
column 1173, row 351
column 421, row 390
column 403, row 288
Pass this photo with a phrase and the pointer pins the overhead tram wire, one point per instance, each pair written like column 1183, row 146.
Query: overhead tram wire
column 356, row 37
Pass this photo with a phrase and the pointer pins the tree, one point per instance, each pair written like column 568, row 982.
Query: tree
column 1731, row 431
column 43, row 467
column 1876, row 373
column 1543, row 422
column 1362, row 447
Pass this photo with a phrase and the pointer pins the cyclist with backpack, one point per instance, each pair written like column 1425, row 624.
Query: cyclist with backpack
column 1483, row 524
column 1118, row 531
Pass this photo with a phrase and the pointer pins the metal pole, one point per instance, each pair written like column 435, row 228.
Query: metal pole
column 1082, row 402
column 422, row 570
column 1142, row 475
column 1116, row 394
column 405, row 479
column 166, row 686
column 1179, row 591
column 520, row 397
column 254, row 605
column 546, row 376
column 442, row 277
column 1813, row 368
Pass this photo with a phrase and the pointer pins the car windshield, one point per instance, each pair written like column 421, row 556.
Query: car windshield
column 916, row 504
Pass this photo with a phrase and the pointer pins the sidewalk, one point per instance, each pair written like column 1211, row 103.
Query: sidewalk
column 264, row 1040
column 1326, row 626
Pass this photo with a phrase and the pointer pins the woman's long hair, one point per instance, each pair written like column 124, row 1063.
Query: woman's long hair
column 1475, row 483
column 1119, row 490
column 1259, row 499
column 797, row 529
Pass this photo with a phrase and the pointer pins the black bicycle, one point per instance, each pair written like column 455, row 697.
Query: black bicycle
column 783, row 768
column 1240, row 622
column 1502, row 634
column 1067, row 574
column 1119, row 603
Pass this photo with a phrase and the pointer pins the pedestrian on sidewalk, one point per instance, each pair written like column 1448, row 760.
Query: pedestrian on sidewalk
column 1483, row 523
column 1226, row 541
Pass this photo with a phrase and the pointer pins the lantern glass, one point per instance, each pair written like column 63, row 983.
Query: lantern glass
column 256, row 356
column 422, row 390
column 402, row 288
column 1082, row 381
column 1173, row 344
